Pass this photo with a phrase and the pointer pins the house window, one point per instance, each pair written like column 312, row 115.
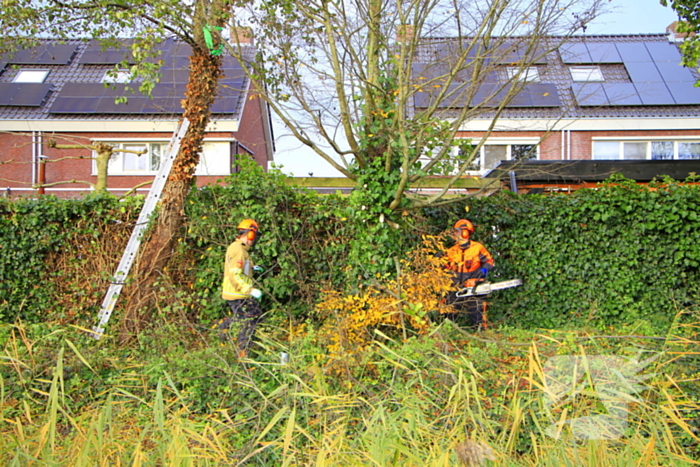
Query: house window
column 689, row 150
column 644, row 150
column 215, row 158
column 529, row 74
column 121, row 76
column 31, row 76
column 493, row 154
column 586, row 73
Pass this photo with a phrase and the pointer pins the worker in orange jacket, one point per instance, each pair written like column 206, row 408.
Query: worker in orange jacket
column 237, row 287
column 470, row 263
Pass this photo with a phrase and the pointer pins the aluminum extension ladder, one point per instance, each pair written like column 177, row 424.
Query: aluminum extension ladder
column 132, row 247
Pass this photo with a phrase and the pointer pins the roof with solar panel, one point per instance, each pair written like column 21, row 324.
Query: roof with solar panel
column 586, row 77
column 70, row 80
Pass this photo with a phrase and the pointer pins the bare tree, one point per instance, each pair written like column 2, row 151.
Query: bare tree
column 384, row 87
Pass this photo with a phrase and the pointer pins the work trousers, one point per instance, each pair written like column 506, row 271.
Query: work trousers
column 473, row 307
column 248, row 314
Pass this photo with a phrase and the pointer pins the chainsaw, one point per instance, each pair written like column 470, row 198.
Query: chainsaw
column 485, row 288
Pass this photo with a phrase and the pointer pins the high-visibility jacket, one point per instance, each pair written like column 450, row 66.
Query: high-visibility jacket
column 467, row 260
column 238, row 272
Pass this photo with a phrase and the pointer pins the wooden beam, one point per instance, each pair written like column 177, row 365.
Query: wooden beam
column 474, row 183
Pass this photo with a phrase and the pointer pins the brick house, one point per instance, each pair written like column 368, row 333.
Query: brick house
column 62, row 92
column 594, row 98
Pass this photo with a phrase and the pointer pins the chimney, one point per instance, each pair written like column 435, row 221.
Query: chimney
column 674, row 35
column 241, row 35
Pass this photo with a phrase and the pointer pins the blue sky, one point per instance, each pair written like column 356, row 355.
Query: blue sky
column 626, row 17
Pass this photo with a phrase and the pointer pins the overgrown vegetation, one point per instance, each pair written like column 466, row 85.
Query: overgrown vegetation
column 375, row 376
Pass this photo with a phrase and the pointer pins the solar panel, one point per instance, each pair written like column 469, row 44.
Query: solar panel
column 230, row 62
column 176, row 62
column 23, row 95
column 543, row 94
column 233, row 73
column 71, row 105
column 521, row 99
column 230, row 85
column 622, row 94
column 94, row 55
column 90, row 90
column 116, row 90
column 486, row 94
column 7, row 92
column 536, row 57
column 589, row 94
column 603, row 52
column 663, row 52
column 168, row 90
column 45, row 54
column 175, row 75
column 575, row 52
column 654, row 94
column 507, row 53
column 633, row 52
column 133, row 105
column 226, row 105
column 684, row 93
column 643, row 72
column 158, row 105
column 673, row 72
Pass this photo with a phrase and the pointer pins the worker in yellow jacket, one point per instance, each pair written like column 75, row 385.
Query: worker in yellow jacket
column 237, row 288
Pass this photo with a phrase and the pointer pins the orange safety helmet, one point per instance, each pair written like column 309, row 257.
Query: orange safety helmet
column 464, row 228
column 248, row 226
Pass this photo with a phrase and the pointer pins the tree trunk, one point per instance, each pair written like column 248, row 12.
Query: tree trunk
column 156, row 251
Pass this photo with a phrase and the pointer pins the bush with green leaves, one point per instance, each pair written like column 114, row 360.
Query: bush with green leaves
column 45, row 245
column 303, row 241
column 619, row 254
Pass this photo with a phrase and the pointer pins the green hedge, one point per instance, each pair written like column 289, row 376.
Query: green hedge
column 615, row 255
column 34, row 233
column 619, row 254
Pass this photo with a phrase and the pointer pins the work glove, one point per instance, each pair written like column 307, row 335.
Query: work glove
column 256, row 293
column 257, row 268
column 484, row 272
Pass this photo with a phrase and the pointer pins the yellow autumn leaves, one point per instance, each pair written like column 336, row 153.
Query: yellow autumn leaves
column 397, row 305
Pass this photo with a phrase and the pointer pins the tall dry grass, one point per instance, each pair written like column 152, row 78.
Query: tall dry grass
column 417, row 409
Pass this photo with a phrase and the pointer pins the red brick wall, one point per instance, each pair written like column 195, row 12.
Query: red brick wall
column 76, row 164
column 251, row 132
column 579, row 143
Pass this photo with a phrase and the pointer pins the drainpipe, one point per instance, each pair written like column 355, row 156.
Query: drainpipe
column 513, row 182
column 41, row 159
column 563, row 142
column 33, row 158
column 42, row 174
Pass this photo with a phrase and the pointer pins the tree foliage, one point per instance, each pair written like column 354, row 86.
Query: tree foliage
column 144, row 24
column 344, row 76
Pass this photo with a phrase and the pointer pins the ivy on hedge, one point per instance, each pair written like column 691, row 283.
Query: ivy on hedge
column 615, row 255
column 32, row 229
column 619, row 254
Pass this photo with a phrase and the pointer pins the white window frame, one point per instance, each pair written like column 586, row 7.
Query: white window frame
column 648, row 141
column 31, row 76
column 122, row 76
column 215, row 159
column 529, row 74
column 586, row 74
column 508, row 142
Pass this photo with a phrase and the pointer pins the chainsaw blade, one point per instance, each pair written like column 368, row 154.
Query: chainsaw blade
column 486, row 288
